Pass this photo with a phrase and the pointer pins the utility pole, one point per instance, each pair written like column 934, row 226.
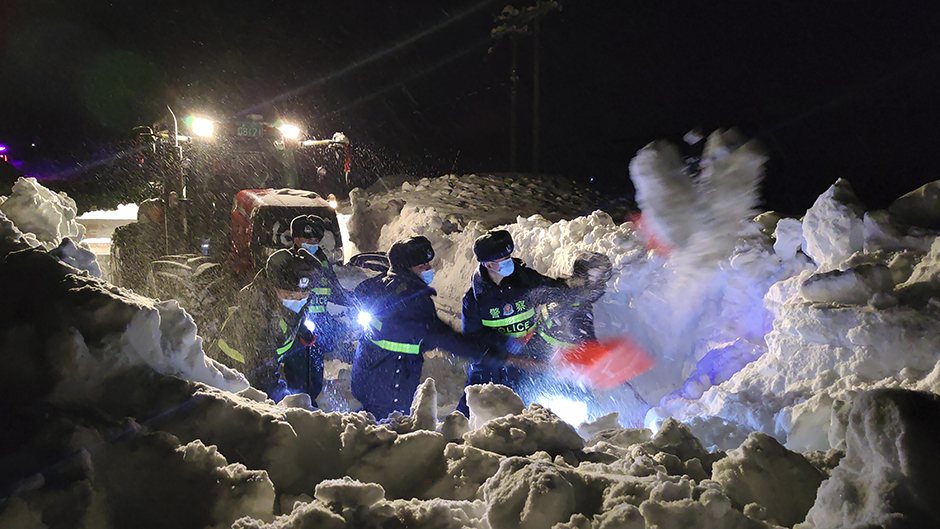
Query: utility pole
column 514, row 117
column 536, row 74
column 515, row 22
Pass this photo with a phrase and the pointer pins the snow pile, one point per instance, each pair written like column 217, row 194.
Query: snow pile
column 65, row 332
column 705, row 298
column 47, row 220
column 800, row 368
column 862, row 318
column 889, row 474
column 122, row 212
column 44, row 217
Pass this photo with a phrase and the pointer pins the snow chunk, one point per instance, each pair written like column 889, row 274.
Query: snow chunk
column 490, row 401
column 45, row 217
column 402, row 465
column 238, row 491
column 832, row 228
column 347, row 494
column 889, row 473
column 424, row 406
column 924, row 281
column 611, row 421
column 536, row 429
column 848, row 287
column 762, row 471
column 78, row 257
column 789, row 238
column 528, row 494
column 467, row 469
column 920, row 207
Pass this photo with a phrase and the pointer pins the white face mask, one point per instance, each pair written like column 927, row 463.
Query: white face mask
column 294, row 305
column 428, row 276
column 312, row 248
column 506, row 267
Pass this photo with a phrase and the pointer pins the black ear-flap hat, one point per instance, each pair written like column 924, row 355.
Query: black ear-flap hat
column 288, row 271
column 493, row 245
column 410, row 252
column 307, row 227
column 595, row 267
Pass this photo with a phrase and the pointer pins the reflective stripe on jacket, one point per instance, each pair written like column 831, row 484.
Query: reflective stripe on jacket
column 508, row 308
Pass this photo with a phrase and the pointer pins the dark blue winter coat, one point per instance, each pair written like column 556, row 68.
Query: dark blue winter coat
column 509, row 311
column 387, row 367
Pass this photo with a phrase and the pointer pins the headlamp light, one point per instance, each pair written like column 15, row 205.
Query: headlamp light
column 203, row 127
column 290, row 132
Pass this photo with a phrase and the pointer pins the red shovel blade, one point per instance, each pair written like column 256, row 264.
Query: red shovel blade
column 606, row 364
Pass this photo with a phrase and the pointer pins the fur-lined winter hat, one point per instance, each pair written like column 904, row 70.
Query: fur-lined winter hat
column 289, row 271
column 410, row 252
column 493, row 245
column 307, row 227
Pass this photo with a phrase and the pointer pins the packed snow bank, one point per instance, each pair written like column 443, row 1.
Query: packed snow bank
column 888, row 477
column 120, row 420
column 863, row 317
column 47, row 220
column 65, row 332
column 43, row 216
column 758, row 323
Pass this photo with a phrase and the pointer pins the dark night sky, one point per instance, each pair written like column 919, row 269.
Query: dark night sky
column 832, row 89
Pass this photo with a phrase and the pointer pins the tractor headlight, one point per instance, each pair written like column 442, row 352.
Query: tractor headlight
column 203, row 127
column 290, row 132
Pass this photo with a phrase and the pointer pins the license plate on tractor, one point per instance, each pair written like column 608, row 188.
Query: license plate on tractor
column 251, row 129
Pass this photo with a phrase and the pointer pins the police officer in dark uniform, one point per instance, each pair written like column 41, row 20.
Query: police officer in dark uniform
column 502, row 302
column 568, row 319
column 281, row 329
column 401, row 323
column 306, row 233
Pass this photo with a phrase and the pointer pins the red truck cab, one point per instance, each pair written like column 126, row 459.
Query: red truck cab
column 261, row 225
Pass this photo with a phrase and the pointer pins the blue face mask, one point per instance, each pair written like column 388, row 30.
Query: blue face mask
column 294, row 305
column 506, row 267
column 428, row 276
column 312, row 248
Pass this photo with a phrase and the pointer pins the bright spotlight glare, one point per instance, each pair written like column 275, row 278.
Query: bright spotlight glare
column 332, row 201
column 364, row 318
column 310, row 325
column 291, row 132
column 572, row 412
column 203, row 127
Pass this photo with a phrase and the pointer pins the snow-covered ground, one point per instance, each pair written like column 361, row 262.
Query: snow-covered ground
column 99, row 226
column 796, row 380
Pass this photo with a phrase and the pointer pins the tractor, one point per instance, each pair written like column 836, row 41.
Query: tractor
column 228, row 192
